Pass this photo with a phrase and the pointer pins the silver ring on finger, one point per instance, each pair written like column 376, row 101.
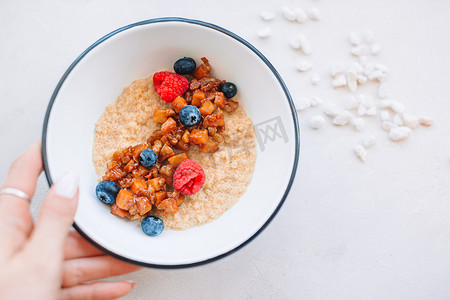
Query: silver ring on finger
column 15, row 192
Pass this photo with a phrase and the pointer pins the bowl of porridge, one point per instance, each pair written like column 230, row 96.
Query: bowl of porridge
column 213, row 185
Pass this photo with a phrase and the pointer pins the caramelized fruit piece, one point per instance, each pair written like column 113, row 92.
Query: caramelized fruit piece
column 179, row 197
column 168, row 126
column 178, row 159
column 209, row 146
column 197, row 98
column 167, row 170
column 178, row 103
column 130, row 166
column 115, row 210
column 157, row 145
column 203, row 70
column 217, row 137
column 160, row 196
column 199, row 136
column 124, row 199
column 168, row 206
column 194, row 84
column 185, row 136
column 137, row 150
column 214, row 120
column 133, row 208
column 156, row 135
column 137, row 185
column 182, row 145
column 207, row 108
column 157, row 183
column 166, row 151
column 114, row 174
column 143, row 205
column 220, row 100
column 231, row 106
column 159, row 116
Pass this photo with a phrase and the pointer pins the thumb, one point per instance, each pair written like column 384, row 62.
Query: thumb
column 56, row 216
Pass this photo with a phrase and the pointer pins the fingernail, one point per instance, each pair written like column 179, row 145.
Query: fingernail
column 67, row 185
column 132, row 283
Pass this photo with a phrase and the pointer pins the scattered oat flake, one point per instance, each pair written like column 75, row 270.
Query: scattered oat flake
column 330, row 109
column 358, row 123
column 316, row 101
column 352, row 81
column 342, row 119
column 288, row 14
column 394, row 105
column 360, row 152
column 361, row 78
column 300, row 15
column 316, row 122
column 369, row 141
column 295, row 43
column 387, row 125
column 376, row 75
column 355, row 39
column 265, row 33
column 400, row 133
column 303, row 65
column 359, row 50
column 314, row 14
column 410, row 121
column 302, row 103
column 267, row 16
column 306, row 46
column 339, row 81
column 426, row 122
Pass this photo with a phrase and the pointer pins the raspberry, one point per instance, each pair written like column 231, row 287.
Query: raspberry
column 170, row 85
column 189, row 177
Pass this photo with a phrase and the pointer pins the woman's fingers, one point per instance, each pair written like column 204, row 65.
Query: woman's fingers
column 25, row 170
column 98, row 291
column 55, row 218
column 77, row 247
column 16, row 222
column 77, row 271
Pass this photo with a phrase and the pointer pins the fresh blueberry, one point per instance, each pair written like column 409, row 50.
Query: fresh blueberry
column 184, row 66
column 229, row 89
column 107, row 191
column 148, row 158
column 190, row 116
column 152, row 226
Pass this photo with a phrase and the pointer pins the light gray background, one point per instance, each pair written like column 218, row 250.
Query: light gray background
column 348, row 230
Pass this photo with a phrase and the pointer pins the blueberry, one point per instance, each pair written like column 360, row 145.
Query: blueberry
column 229, row 89
column 190, row 116
column 148, row 158
column 107, row 191
column 152, row 226
column 184, row 66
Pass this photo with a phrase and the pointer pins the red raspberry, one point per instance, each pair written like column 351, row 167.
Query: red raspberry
column 189, row 177
column 170, row 85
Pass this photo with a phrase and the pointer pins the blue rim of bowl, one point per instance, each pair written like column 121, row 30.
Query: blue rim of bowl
column 226, row 32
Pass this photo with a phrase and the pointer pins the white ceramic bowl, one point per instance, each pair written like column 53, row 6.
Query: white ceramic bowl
column 135, row 51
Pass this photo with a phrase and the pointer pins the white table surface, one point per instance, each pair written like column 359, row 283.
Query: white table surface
column 348, row 230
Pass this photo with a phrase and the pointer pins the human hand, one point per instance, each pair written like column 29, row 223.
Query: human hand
column 47, row 260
